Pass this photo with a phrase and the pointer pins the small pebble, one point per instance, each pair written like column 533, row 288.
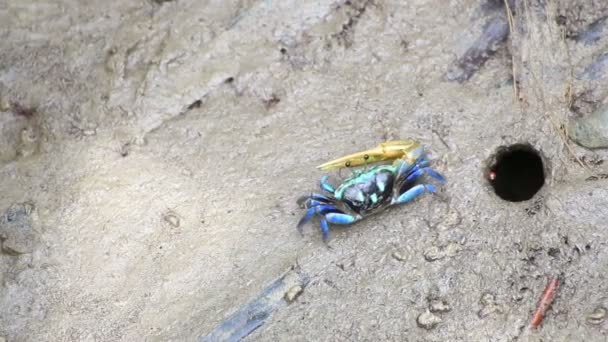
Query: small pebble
column 452, row 219
column 293, row 293
column 89, row 132
column 428, row 320
column 28, row 144
column 487, row 299
column 28, row 135
column 452, row 249
column 16, row 231
column 488, row 302
column 597, row 316
column 171, row 219
column 433, row 253
column 398, row 256
column 591, row 131
column 28, row 208
column 2, row 339
column 4, row 106
column 487, row 311
column 441, row 306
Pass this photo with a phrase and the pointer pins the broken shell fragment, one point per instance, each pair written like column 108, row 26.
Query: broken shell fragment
column 597, row 316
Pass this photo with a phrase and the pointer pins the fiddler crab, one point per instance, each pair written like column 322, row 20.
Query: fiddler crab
column 369, row 190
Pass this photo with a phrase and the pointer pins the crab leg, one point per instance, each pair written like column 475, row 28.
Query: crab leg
column 418, row 171
column 407, row 174
column 321, row 209
column 328, row 212
column 308, row 201
column 309, row 214
column 324, row 229
column 337, row 217
column 341, row 218
column 414, row 192
column 390, row 150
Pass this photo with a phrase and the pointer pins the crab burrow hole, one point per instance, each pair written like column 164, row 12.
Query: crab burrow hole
column 516, row 172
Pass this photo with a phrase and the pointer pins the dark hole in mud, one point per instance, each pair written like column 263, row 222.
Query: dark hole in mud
column 517, row 173
column 553, row 252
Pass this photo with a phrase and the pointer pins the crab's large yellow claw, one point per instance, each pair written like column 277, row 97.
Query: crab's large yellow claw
column 389, row 150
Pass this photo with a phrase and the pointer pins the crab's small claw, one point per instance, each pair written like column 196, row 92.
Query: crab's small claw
column 409, row 149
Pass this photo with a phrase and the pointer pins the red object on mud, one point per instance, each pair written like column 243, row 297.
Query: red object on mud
column 492, row 175
column 545, row 302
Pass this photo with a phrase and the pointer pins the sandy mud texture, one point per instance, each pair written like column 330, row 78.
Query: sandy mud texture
column 151, row 155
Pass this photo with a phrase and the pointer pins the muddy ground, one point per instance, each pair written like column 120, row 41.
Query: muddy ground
column 151, row 155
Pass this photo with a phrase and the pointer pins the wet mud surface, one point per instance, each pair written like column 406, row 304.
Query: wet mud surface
column 151, row 155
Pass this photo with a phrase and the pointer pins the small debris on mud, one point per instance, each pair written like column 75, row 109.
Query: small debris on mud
column 451, row 220
column 195, row 105
column 16, row 233
column 20, row 110
column 433, row 253
column 28, row 142
column 553, row 252
column 428, row 320
column 89, row 132
column 271, row 102
column 591, row 131
column 439, row 306
column 398, row 256
column 293, row 293
column 125, row 149
column 597, row 316
column 489, row 306
column 5, row 105
column 172, row 219
column 487, row 299
column 330, row 284
column 452, row 249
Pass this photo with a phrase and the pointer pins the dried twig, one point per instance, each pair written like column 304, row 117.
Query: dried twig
column 511, row 30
